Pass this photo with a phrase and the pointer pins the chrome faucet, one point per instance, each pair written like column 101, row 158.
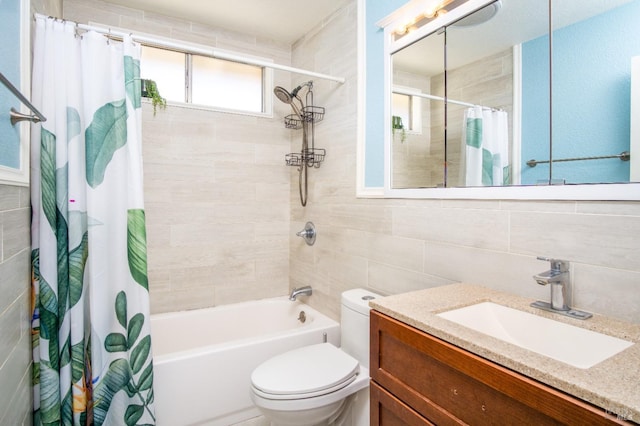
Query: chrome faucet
column 306, row 290
column 559, row 280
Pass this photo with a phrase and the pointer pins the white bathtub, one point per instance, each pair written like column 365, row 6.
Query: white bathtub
column 203, row 359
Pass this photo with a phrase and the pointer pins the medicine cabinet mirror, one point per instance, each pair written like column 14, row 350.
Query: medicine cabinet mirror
column 475, row 108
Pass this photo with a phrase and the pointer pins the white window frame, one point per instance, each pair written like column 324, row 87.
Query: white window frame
column 415, row 125
column 267, row 82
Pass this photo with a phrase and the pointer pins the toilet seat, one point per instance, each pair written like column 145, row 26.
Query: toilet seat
column 306, row 372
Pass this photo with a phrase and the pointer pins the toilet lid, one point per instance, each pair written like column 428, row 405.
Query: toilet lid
column 305, row 372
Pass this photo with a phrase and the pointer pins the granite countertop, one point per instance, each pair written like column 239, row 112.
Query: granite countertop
column 613, row 384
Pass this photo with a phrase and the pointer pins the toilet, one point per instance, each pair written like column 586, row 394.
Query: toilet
column 321, row 384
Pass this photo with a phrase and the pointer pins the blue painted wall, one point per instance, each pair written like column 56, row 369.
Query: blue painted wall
column 10, row 68
column 591, row 106
column 374, row 132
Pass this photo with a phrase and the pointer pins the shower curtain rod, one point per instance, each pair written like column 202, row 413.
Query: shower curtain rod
column 204, row 51
column 439, row 98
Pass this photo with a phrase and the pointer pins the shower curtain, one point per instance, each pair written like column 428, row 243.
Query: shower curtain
column 91, row 335
column 485, row 147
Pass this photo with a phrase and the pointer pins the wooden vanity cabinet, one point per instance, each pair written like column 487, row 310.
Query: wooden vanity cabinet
column 418, row 379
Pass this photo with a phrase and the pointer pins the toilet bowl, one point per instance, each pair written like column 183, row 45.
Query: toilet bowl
column 318, row 384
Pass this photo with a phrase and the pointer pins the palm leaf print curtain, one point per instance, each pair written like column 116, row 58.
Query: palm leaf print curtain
column 485, row 144
column 91, row 335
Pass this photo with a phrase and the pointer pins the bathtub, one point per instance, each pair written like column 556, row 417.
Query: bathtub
column 203, row 359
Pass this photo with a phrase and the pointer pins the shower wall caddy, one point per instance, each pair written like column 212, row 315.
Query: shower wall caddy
column 309, row 116
column 305, row 117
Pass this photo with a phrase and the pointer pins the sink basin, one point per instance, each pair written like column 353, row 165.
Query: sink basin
column 563, row 342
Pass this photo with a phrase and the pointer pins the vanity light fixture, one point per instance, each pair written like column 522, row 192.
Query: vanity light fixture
column 431, row 9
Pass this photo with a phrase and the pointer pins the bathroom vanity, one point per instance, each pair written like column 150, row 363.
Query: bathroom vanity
column 428, row 370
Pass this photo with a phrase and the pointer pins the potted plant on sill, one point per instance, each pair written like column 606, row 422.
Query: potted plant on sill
column 149, row 89
column 396, row 125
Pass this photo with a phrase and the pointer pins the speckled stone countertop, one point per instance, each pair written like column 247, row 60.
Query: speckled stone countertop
column 613, row 384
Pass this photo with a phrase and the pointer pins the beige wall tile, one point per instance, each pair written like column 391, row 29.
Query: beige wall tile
column 15, row 305
column 221, row 202
column 494, row 243
column 611, row 292
column 593, row 239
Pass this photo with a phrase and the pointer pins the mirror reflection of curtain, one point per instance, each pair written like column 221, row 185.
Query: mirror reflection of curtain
column 485, row 140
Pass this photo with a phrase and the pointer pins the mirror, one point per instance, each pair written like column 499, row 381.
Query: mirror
column 495, row 78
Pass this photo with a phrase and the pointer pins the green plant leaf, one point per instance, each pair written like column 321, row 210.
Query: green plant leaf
column 77, row 262
column 35, row 263
column 48, row 304
column 133, row 414
column 48, row 175
column 115, row 342
column 114, row 379
column 49, row 321
column 137, row 246
column 135, row 326
column 49, row 394
column 35, row 374
column 62, row 238
column 74, row 125
column 131, row 389
column 140, row 353
column 132, row 80
column 62, row 190
column 105, row 135
column 77, row 361
column 65, row 352
column 150, row 397
column 121, row 308
column 146, row 378
column 66, row 409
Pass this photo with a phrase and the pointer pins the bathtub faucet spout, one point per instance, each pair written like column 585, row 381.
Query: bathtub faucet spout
column 306, row 290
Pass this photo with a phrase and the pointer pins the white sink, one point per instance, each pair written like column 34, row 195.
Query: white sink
column 572, row 345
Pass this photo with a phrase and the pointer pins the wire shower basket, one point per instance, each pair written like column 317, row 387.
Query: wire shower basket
column 312, row 157
column 306, row 116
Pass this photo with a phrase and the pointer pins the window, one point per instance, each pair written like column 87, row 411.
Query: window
column 401, row 107
column 226, row 84
column 204, row 81
column 409, row 109
column 167, row 69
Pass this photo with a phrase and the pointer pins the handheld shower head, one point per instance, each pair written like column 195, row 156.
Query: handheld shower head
column 286, row 97
column 282, row 94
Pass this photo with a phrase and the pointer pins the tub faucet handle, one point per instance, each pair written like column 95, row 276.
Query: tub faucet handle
column 308, row 233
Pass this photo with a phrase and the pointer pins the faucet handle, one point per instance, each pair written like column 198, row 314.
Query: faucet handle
column 557, row 264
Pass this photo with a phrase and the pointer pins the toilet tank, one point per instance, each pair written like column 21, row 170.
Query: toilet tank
column 354, row 323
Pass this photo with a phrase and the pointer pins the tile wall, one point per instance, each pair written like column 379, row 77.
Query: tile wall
column 217, row 222
column 394, row 246
column 15, row 306
column 216, row 184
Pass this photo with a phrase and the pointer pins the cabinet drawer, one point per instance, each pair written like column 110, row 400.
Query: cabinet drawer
column 448, row 385
column 387, row 410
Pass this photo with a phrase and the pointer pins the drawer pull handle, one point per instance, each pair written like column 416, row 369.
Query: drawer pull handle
column 484, row 408
column 454, row 391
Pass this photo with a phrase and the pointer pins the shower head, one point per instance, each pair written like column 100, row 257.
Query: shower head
column 282, row 94
column 286, row 97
